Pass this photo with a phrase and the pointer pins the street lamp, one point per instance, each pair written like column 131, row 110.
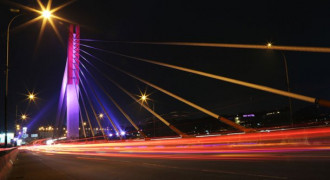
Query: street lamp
column 144, row 98
column 6, row 72
column 24, row 117
column 101, row 116
column 46, row 14
column 269, row 45
column 31, row 96
column 288, row 86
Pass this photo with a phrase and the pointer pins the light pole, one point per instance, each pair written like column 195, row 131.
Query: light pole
column 6, row 72
column 46, row 13
column 144, row 98
column 269, row 45
column 30, row 97
column 288, row 87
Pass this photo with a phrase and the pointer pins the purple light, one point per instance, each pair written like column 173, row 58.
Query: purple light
column 110, row 135
column 72, row 111
column 248, row 115
column 122, row 133
column 72, row 87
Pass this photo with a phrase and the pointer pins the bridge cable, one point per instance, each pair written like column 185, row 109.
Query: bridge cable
column 146, row 107
column 91, row 105
column 77, row 92
column 116, row 104
column 102, row 106
column 88, row 119
column 216, row 116
column 318, row 101
column 225, row 45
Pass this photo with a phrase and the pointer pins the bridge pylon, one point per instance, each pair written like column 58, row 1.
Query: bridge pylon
column 72, row 87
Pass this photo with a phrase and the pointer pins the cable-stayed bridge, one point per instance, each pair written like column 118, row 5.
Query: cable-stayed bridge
column 83, row 108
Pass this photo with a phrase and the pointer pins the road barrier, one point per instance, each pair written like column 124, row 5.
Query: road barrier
column 7, row 158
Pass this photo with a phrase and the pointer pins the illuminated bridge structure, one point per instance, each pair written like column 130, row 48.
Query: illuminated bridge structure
column 70, row 86
column 79, row 97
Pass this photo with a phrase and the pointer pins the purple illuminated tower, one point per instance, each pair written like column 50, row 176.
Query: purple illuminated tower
column 72, row 85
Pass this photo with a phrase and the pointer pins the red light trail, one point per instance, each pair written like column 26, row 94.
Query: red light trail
column 273, row 145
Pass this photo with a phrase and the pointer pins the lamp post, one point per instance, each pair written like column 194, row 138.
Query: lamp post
column 144, row 98
column 269, row 45
column 6, row 72
column 288, row 87
column 46, row 13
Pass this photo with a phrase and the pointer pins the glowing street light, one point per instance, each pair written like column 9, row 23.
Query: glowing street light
column 31, row 96
column 269, row 45
column 46, row 14
column 101, row 115
column 24, row 117
column 143, row 98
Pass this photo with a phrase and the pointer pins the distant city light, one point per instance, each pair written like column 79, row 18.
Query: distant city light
column 110, row 134
column 248, row 115
column 122, row 133
column 24, row 130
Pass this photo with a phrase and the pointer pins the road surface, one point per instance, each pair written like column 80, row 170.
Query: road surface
column 42, row 165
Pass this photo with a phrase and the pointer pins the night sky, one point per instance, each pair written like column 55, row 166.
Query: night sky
column 40, row 68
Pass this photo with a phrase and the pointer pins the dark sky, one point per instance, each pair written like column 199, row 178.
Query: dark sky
column 40, row 68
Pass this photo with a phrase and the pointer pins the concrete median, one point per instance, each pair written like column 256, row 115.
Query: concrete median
column 7, row 158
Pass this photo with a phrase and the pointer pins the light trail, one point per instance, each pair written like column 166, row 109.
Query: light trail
column 321, row 102
column 252, row 146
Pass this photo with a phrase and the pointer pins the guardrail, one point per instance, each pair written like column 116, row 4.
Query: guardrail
column 7, row 158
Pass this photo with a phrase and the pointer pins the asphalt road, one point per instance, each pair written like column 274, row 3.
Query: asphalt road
column 48, row 166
